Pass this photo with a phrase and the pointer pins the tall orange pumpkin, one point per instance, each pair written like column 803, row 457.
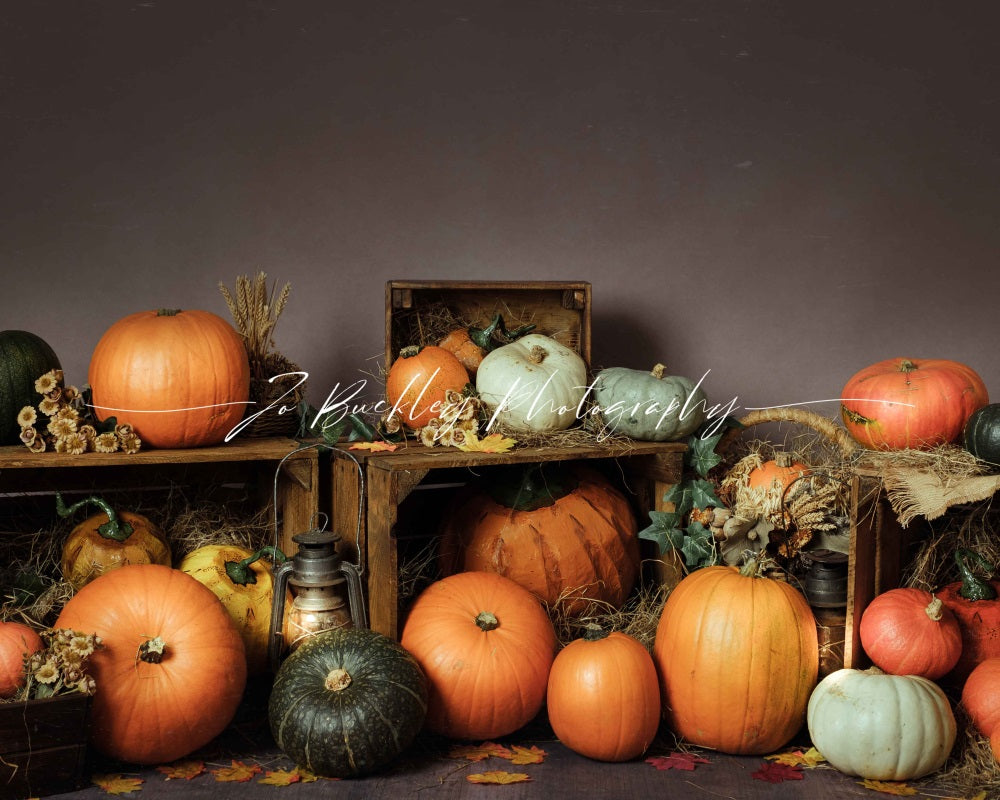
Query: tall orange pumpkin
column 568, row 535
column 486, row 646
column 418, row 381
column 911, row 403
column 738, row 658
column 180, row 378
column 172, row 670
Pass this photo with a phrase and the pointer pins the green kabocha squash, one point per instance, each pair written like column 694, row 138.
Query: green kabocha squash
column 982, row 434
column 347, row 702
column 24, row 357
column 649, row 406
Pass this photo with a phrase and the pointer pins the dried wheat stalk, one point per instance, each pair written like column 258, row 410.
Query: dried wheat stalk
column 255, row 312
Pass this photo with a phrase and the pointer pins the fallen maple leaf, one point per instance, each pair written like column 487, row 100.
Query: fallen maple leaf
column 777, row 773
column 117, row 784
column 280, row 777
column 889, row 787
column 809, row 759
column 685, row 761
column 526, row 755
column 238, row 772
column 375, row 447
column 305, row 776
column 185, row 770
column 494, row 443
column 498, row 777
column 479, row 752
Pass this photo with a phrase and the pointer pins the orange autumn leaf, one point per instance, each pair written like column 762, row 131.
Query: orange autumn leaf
column 305, row 776
column 809, row 759
column 117, row 784
column 498, row 777
column 375, row 447
column 238, row 772
column 889, row 787
column 494, row 443
column 526, row 755
column 185, row 770
column 479, row 752
column 280, row 777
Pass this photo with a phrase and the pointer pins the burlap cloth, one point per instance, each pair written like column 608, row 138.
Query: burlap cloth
column 915, row 492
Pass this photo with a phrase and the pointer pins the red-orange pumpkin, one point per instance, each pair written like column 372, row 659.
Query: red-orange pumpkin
column 180, row 378
column 975, row 602
column 981, row 696
column 911, row 403
column 172, row 670
column 738, row 658
column 909, row 631
column 17, row 641
column 486, row 646
column 418, row 381
column 603, row 698
column 569, row 536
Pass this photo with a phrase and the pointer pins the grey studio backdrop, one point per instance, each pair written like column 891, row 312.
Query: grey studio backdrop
column 769, row 194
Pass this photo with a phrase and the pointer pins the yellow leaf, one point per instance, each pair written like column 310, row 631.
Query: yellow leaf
column 375, row 447
column 182, row 769
column 237, row 773
column 810, row 759
column 305, row 776
column 494, row 443
column 889, row 787
column 498, row 776
column 526, row 755
column 479, row 752
column 280, row 777
column 116, row 784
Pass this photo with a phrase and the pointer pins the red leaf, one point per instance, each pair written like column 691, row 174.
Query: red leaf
column 685, row 761
column 777, row 773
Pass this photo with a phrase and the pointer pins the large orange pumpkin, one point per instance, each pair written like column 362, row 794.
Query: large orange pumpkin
column 172, row 670
column 486, row 646
column 179, row 378
column 738, row 658
column 17, row 641
column 569, row 536
column 975, row 602
column 911, row 403
column 603, row 698
column 419, row 380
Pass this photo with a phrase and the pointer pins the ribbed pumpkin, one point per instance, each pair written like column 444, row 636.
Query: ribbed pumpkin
column 981, row 696
column 107, row 541
column 418, row 381
column 975, row 602
column 568, row 535
column 172, row 670
column 24, row 357
column 911, row 403
column 738, row 658
column 649, row 406
column 777, row 474
column 981, row 436
column 486, row 646
column 180, row 378
column 244, row 583
column 17, row 641
column 347, row 702
column 909, row 631
column 603, row 698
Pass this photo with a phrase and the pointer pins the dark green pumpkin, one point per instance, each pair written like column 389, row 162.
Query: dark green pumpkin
column 24, row 357
column 982, row 433
column 347, row 702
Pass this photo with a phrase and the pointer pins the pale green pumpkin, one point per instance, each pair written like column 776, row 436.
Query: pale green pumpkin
column 649, row 406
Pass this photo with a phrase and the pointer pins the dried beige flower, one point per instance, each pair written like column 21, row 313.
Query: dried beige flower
column 70, row 393
column 131, row 444
column 68, row 412
column 47, row 382
column 37, row 445
column 428, row 436
column 124, row 430
column 27, row 417
column 48, row 672
column 60, row 427
column 106, row 442
column 89, row 432
column 49, row 407
column 28, row 435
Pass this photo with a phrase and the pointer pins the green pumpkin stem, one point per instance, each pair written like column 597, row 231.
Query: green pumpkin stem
column 593, row 632
column 167, row 312
column 483, row 337
column 115, row 529
column 239, row 572
column 973, row 587
column 487, row 621
column 511, row 336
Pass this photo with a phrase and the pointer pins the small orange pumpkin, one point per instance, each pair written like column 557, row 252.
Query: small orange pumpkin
column 778, row 473
column 418, row 381
column 17, row 641
column 603, row 697
column 981, row 696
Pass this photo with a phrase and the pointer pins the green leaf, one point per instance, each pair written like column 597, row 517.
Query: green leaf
column 665, row 519
column 664, row 530
column 698, row 548
column 680, row 495
column 703, row 494
column 701, row 453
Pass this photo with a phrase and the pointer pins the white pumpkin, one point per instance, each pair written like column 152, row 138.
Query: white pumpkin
column 879, row 726
column 533, row 384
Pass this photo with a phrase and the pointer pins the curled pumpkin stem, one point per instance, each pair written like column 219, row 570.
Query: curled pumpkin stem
column 239, row 572
column 114, row 528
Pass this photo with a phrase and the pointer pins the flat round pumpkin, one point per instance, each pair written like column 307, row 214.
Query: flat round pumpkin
column 649, row 406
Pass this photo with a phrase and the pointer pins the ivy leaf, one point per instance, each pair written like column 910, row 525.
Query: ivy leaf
column 526, row 755
column 889, row 787
column 117, row 784
column 701, row 453
column 777, row 773
column 238, row 772
column 664, row 531
column 698, row 547
column 185, row 770
column 498, row 777
column 680, row 495
column 703, row 494
column 280, row 777
column 678, row 760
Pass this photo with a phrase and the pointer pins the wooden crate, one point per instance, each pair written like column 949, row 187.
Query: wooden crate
column 368, row 491
column 43, row 745
column 561, row 310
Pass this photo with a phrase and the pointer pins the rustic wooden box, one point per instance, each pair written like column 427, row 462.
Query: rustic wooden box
column 558, row 309
column 43, row 746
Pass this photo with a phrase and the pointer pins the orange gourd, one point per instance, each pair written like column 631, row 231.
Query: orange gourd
column 738, row 658
column 418, row 381
column 778, row 473
column 981, row 696
column 172, row 670
column 486, row 646
column 459, row 343
column 17, row 641
column 180, row 378
column 569, row 536
column 909, row 631
column 911, row 403
column 603, row 697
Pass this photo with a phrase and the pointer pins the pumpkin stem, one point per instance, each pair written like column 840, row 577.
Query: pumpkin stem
column 593, row 632
column 487, row 621
column 528, row 488
column 115, row 529
column 907, row 366
column 934, row 608
column 239, row 572
column 337, row 680
column 152, row 650
column 510, row 336
column 409, row 351
column 537, row 354
column 783, row 459
column 974, row 587
column 483, row 337
column 167, row 312
column 658, row 372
